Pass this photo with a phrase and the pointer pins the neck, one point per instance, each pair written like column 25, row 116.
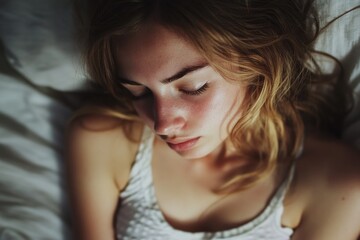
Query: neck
column 214, row 169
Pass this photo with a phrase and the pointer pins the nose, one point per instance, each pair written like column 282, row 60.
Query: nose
column 168, row 118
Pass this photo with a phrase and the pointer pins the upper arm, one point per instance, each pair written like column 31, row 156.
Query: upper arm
column 329, row 222
column 98, row 165
column 333, row 209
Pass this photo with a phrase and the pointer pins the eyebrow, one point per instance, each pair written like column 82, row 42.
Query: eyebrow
column 184, row 71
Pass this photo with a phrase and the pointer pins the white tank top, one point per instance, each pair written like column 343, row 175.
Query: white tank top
column 139, row 216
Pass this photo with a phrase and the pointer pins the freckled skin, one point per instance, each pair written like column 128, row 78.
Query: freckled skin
column 322, row 201
column 155, row 53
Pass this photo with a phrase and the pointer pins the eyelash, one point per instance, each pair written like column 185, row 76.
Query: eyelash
column 141, row 96
column 196, row 92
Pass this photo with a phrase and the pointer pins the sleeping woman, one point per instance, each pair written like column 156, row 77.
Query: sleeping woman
column 215, row 123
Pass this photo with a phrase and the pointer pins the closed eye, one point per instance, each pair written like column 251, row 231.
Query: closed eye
column 137, row 91
column 198, row 91
column 146, row 93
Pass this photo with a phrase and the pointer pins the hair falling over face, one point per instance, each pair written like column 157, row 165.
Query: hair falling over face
column 265, row 44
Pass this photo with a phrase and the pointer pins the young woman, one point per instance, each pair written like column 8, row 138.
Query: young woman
column 217, row 125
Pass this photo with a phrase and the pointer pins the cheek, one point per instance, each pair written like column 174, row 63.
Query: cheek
column 226, row 106
column 212, row 110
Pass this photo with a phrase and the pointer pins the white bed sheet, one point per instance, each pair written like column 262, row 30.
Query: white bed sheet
column 31, row 179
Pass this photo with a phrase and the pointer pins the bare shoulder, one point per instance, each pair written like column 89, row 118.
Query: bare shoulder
column 99, row 157
column 328, row 180
column 105, row 143
column 330, row 162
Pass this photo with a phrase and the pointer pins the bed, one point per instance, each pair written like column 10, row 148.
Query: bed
column 40, row 77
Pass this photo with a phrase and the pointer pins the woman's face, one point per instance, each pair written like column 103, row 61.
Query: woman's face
column 176, row 92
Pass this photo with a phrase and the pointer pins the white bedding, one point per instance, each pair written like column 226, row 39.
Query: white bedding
column 38, row 39
column 31, row 180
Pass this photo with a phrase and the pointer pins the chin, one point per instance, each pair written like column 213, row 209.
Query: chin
column 191, row 156
column 197, row 153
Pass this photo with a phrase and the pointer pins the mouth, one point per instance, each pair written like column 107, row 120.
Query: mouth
column 182, row 145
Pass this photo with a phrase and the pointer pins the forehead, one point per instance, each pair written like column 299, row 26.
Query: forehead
column 154, row 52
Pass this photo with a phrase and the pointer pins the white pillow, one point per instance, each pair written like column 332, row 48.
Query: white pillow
column 342, row 40
column 39, row 41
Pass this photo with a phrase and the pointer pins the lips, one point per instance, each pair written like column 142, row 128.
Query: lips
column 182, row 144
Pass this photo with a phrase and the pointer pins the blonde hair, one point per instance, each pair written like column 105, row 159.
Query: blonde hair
column 268, row 45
